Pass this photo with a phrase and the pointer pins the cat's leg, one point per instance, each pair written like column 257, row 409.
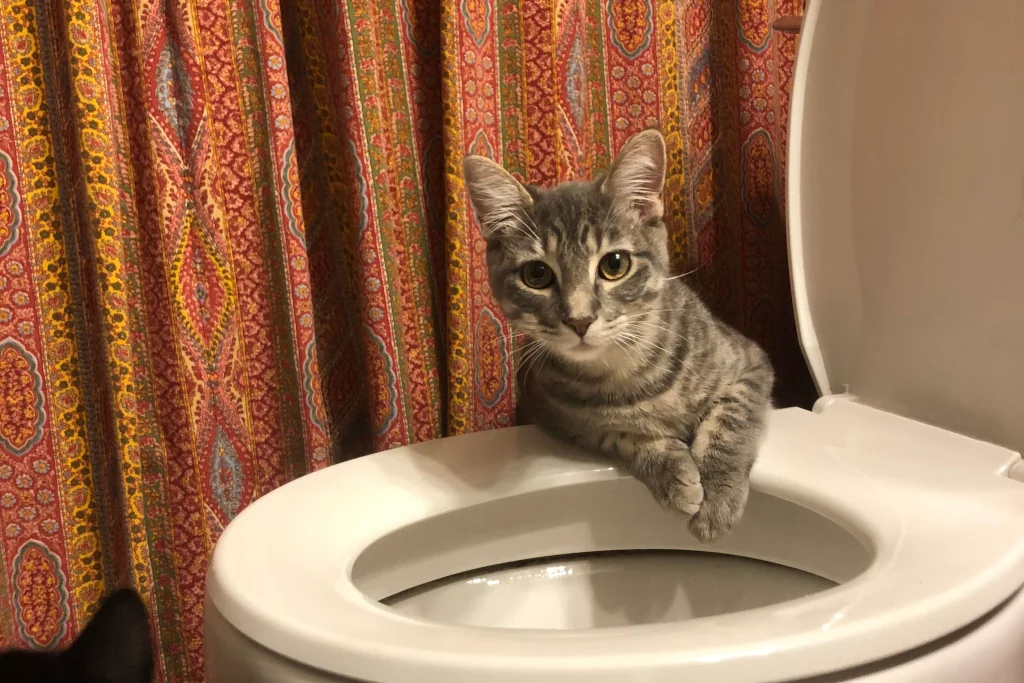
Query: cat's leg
column 724, row 449
column 663, row 464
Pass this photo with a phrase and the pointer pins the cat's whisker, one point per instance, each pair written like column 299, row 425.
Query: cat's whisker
column 547, row 355
column 650, row 344
column 505, row 222
column 540, row 357
column 528, row 353
column 661, row 325
column 630, row 351
column 526, row 217
column 517, row 348
column 650, row 312
column 629, row 333
column 687, row 273
column 642, row 346
column 522, row 352
column 529, row 345
column 518, row 229
column 664, row 329
column 529, row 227
column 632, row 342
column 676, row 310
column 668, row 330
column 505, row 218
column 534, row 352
column 518, row 214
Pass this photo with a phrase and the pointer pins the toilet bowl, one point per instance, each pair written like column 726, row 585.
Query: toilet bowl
column 884, row 537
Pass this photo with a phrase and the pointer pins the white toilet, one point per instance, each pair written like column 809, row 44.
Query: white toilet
column 884, row 538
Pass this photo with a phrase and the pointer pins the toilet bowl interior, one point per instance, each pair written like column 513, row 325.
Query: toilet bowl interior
column 606, row 590
column 575, row 552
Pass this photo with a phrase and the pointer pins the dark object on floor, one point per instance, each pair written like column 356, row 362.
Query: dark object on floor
column 115, row 647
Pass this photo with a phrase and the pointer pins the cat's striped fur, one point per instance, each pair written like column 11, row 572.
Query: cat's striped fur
column 636, row 367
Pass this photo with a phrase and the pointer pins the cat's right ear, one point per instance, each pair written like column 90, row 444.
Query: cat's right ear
column 496, row 196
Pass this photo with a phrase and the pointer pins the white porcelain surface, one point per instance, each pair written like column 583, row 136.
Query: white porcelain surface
column 989, row 651
column 601, row 591
column 906, row 208
column 281, row 572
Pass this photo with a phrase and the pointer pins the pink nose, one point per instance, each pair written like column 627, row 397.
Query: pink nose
column 581, row 325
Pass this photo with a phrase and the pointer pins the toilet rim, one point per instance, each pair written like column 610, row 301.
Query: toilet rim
column 901, row 601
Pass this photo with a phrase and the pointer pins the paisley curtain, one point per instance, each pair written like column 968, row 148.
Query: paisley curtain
column 235, row 247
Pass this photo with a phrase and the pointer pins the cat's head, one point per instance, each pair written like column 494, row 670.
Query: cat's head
column 115, row 647
column 577, row 265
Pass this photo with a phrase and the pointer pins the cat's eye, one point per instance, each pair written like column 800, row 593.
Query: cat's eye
column 537, row 275
column 614, row 265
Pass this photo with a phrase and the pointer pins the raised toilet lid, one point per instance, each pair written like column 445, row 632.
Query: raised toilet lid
column 906, row 185
column 906, row 208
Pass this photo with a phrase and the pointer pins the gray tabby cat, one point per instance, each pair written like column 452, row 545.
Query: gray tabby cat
column 632, row 364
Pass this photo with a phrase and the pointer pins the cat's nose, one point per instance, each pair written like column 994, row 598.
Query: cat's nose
column 581, row 325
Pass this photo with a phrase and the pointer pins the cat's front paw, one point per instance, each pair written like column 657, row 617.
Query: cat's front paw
column 682, row 490
column 721, row 509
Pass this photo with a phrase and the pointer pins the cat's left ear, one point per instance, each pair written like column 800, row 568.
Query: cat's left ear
column 637, row 175
column 116, row 644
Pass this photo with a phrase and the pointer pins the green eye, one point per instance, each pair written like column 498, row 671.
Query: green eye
column 537, row 275
column 614, row 265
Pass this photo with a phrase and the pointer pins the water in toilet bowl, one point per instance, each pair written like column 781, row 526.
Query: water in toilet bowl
column 604, row 590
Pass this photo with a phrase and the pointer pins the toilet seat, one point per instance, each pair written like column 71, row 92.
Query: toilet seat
column 282, row 572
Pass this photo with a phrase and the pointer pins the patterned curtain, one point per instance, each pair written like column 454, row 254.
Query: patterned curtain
column 235, row 246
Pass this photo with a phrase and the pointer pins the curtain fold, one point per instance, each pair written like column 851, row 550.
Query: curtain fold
column 235, row 247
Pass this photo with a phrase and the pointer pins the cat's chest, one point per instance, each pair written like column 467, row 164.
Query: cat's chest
column 665, row 415
column 669, row 414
